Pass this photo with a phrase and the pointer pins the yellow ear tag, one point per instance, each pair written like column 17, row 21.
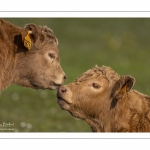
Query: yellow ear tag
column 27, row 40
column 123, row 90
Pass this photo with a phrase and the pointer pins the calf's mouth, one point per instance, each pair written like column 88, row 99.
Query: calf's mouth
column 61, row 101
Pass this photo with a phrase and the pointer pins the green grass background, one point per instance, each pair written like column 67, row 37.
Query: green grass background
column 121, row 43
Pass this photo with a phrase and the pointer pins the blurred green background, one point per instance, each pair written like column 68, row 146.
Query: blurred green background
column 121, row 43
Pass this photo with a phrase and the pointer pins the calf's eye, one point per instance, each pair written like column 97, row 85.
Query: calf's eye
column 96, row 86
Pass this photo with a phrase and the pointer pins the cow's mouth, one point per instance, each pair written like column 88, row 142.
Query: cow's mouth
column 62, row 102
column 54, row 86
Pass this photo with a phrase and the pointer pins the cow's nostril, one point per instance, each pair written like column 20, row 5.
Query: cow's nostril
column 65, row 77
column 63, row 90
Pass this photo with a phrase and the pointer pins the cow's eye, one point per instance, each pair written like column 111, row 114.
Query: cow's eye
column 51, row 55
column 96, row 86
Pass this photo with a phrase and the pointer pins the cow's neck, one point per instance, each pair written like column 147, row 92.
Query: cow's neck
column 95, row 126
column 105, row 121
column 8, row 48
column 99, row 125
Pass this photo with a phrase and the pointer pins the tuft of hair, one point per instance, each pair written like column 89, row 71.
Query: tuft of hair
column 48, row 33
column 97, row 71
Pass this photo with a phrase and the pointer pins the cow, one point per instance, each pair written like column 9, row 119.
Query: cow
column 106, row 101
column 29, row 57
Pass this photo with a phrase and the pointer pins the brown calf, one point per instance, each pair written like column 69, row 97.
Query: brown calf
column 106, row 102
column 29, row 57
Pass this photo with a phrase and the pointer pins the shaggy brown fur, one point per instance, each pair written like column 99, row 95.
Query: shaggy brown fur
column 106, row 102
column 37, row 67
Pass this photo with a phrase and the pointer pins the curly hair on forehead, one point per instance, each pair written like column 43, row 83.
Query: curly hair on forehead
column 48, row 32
column 109, row 73
column 97, row 71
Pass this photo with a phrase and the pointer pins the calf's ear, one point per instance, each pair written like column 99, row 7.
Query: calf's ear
column 29, row 35
column 123, row 86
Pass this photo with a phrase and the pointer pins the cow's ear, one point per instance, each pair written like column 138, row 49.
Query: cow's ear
column 29, row 35
column 123, row 86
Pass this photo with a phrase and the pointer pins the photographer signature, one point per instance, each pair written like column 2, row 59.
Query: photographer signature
column 4, row 124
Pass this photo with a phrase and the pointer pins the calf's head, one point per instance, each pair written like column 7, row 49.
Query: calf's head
column 37, row 59
column 93, row 93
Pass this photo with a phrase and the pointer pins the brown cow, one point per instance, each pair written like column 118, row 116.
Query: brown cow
column 29, row 57
column 106, row 102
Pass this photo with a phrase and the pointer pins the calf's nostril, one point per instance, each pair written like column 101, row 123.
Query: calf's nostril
column 63, row 90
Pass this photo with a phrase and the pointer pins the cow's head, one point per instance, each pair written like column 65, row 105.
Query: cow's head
column 37, row 59
column 93, row 93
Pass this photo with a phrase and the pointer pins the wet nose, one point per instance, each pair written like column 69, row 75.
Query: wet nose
column 62, row 89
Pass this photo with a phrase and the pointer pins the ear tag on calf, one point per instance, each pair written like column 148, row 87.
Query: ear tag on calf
column 27, row 40
column 122, row 92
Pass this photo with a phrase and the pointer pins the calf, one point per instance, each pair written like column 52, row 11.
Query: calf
column 29, row 57
column 106, row 101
